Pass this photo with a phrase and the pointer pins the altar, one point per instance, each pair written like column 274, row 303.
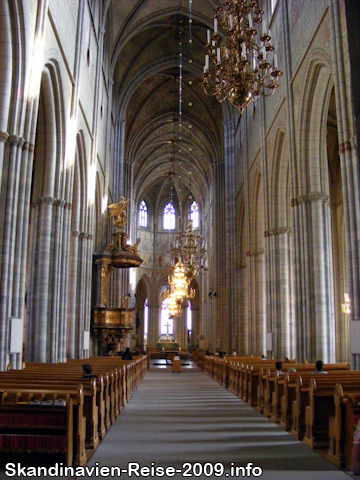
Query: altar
column 167, row 342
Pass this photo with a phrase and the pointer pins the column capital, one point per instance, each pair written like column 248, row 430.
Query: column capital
column 29, row 147
column 48, row 200
column 60, row 202
column 310, row 197
column 3, row 137
column 348, row 146
column 277, row 231
column 16, row 140
column 255, row 253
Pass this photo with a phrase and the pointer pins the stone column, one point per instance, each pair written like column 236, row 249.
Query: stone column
column 321, row 254
column 8, row 241
column 7, row 57
column 57, row 265
column 72, row 293
column 195, row 332
column 140, row 327
column 279, row 291
column 64, row 275
column 154, row 328
column 230, row 235
column 349, row 161
column 42, row 301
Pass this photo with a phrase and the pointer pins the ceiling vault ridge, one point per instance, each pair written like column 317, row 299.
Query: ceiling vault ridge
column 148, row 71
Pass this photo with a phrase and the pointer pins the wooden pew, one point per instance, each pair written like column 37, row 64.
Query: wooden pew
column 102, row 397
column 37, row 428
column 90, row 409
column 286, row 400
column 66, row 371
column 322, row 407
column 250, row 378
column 303, row 395
column 342, row 425
column 15, row 400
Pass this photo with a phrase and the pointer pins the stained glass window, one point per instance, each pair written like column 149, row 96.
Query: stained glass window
column 194, row 214
column 169, row 217
column 143, row 216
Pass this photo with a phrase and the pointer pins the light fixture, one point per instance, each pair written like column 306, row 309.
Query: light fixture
column 174, row 307
column 345, row 307
column 189, row 249
column 238, row 67
column 179, row 284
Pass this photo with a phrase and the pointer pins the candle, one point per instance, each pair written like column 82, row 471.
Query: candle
column 275, row 61
column 207, row 62
column 263, row 26
column 250, row 21
column 231, row 21
column 208, row 36
column 243, row 49
column 215, row 25
column 218, row 57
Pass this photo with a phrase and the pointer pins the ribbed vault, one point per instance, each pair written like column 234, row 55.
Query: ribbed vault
column 146, row 38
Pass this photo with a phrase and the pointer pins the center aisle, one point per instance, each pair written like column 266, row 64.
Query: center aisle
column 175, row 419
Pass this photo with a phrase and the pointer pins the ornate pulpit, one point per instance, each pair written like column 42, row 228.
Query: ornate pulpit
column 112, row 324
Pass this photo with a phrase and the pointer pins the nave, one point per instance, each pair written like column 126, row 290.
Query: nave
column 178, row 418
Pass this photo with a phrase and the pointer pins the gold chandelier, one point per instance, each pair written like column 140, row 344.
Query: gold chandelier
column 240, row 69
column 174, row 307
column 189, row 249
column 179, row 284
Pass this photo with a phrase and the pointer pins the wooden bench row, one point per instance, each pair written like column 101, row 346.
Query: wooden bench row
column 320, row 409
column 92, row 403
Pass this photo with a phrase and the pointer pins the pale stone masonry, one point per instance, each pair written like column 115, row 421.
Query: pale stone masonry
column 89, row 111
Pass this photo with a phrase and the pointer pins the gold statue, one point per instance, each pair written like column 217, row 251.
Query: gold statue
column 118, row 211
column 136, row 245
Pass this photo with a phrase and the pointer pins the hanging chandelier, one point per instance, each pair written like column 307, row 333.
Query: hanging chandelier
column 189, row 249
column 242, row 66
column 174, row 307
column 179, row 284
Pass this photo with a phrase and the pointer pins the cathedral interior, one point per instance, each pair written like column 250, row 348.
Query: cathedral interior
column 103, row 101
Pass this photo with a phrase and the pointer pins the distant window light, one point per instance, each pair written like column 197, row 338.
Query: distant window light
column 146, row 317
column 143, row 215
column 189, row 317
column 169, row 217
column 194, row 214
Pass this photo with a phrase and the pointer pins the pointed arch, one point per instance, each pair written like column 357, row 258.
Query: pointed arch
column 48, row 246
column 315, row 295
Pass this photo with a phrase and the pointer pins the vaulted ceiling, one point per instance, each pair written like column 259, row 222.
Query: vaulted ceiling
column 148, row 37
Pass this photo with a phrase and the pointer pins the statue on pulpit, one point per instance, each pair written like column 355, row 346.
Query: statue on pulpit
column 118, row 211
